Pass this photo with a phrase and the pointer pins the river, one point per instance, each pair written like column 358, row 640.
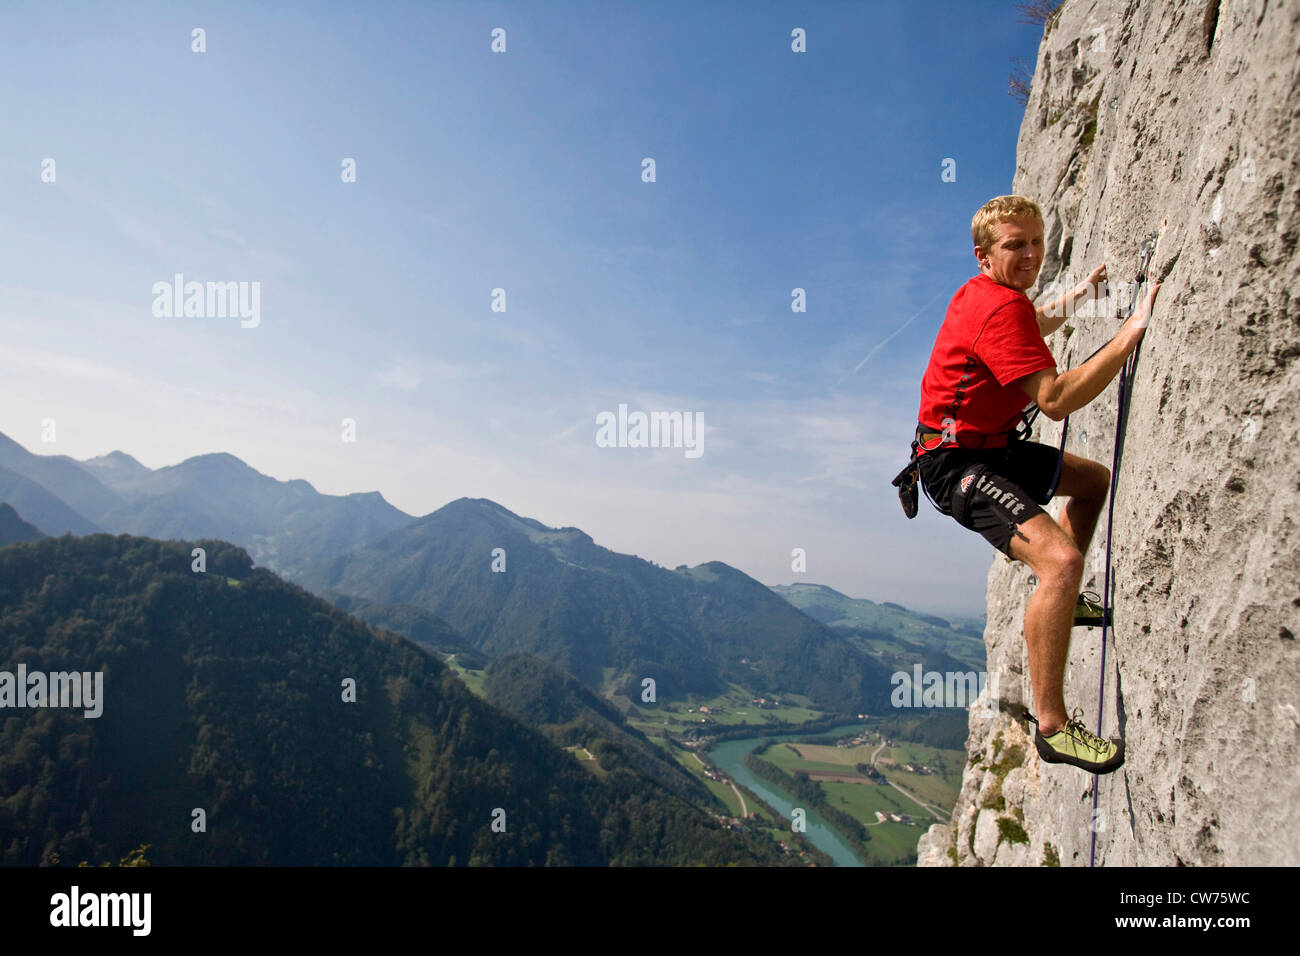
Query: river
column 729, row 757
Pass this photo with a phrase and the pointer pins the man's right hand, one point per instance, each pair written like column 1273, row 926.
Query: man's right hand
column 1136, row 326
column 1060, row 395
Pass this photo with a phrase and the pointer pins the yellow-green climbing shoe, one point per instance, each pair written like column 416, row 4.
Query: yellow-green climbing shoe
column 1088, row 611
column 1075, row 744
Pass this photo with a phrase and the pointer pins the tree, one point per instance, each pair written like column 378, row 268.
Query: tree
column 1034, row 13
column 1037, row 12
column 1020, row 80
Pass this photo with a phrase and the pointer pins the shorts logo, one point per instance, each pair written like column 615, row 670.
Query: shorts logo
column 997, row 495
column 965, row 483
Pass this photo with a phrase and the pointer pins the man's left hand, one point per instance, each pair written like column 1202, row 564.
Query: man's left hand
column 1092, row 286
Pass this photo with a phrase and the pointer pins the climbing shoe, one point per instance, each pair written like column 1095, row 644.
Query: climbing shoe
column 1075, row 744
column 1088, row 611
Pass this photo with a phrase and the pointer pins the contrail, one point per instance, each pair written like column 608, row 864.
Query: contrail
column 896, row 331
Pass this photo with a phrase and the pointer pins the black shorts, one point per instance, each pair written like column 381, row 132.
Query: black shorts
column 990, row 490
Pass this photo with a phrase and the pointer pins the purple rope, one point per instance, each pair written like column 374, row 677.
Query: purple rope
column 1105, row 603
column 1125, row 379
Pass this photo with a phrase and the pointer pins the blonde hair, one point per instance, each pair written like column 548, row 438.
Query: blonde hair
column 1000, row 209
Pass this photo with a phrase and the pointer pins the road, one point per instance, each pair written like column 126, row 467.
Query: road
column 937, row 814
column 744, row 810
column 877, row 753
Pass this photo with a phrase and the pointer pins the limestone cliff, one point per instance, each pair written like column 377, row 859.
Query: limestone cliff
column 1187, row 110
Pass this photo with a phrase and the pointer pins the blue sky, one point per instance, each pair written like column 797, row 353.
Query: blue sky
column 522, row 171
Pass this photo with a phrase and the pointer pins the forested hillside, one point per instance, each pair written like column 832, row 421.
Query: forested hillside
column 510, row 584
column 227, row 691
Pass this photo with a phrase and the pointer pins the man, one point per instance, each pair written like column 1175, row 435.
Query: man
column 989, row 360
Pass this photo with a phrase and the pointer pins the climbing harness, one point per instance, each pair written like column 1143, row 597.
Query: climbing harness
column 906, row 481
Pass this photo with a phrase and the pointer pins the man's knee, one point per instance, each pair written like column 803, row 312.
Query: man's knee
column 1046, row 548
column 1084, row 478
column 1063, row 563
column 1101, row 481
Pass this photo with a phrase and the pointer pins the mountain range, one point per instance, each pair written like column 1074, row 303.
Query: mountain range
column 892, row 633
column 560, row 628
column 510, row 584
column 610, row 619
column 284, row 525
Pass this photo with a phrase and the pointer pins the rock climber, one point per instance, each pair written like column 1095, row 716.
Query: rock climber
column 989, row 359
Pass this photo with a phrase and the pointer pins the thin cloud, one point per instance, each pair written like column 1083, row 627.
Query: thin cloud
column 55, row 365
column 893, row 334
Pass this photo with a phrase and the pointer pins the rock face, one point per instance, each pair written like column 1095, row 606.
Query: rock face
column 1189, row 111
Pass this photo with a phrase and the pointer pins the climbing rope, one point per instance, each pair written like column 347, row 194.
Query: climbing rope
column 1146, row 256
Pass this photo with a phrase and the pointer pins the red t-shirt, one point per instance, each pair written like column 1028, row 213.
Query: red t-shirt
column 988, row 339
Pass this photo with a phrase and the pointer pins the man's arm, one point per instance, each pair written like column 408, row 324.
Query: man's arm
column 1050, row 317
column 1053, row 315
column 1061, row 395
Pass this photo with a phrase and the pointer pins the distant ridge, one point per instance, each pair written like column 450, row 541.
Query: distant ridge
column 282, row 524
column 42, row 507
column 64, row 477
column 14, row 529
column 898, row 637
column 117, row 469
column 609, row 619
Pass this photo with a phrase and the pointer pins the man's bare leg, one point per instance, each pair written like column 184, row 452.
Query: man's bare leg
column 1087, row 483
column 1058, row 565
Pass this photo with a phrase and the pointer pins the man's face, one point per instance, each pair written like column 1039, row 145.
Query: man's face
column 1017, row 253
